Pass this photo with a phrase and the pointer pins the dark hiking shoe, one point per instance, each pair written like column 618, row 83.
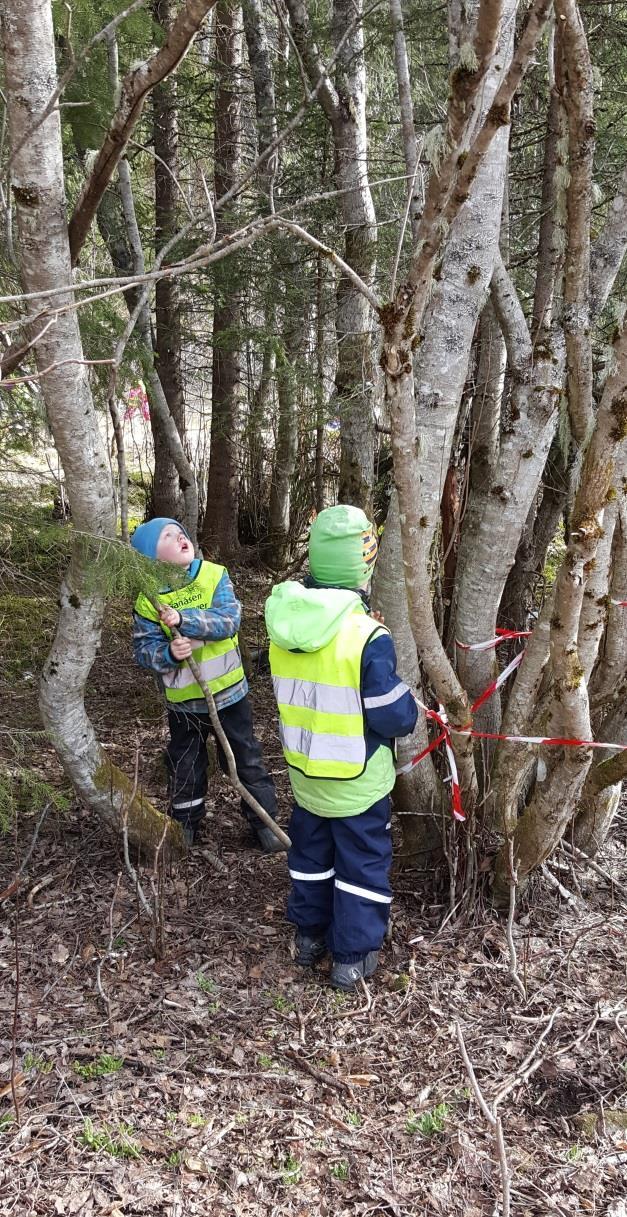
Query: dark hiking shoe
column 308, row 950
column 344, row 976
column 267, row 841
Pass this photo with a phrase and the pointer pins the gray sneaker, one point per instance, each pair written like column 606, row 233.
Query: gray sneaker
column 345, row 975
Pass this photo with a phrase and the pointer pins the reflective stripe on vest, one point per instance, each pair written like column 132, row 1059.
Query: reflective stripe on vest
column 321, row 721
column 329, row 699
column 220, row 662
column 211, row 669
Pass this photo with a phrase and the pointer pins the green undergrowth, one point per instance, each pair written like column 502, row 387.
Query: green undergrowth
column 27, row 625
column 22, row 789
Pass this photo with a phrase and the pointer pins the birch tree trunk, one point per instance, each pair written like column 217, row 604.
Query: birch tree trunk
column 553, row 803
column 220, row 528
column 447, row 192
column 39, row 195
column 419, row 797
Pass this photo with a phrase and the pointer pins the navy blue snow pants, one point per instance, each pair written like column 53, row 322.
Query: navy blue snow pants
column 187, row 761
column 340, row 886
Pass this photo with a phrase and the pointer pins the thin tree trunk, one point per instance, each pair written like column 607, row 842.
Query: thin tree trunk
column 168, row 341
column 419, row 797
column 408, row 130
column 174, row 472
column 608, row 686
column 286, row 446
column 38, row 190
column 345, row 108
column 578, row 103
column 220, row 529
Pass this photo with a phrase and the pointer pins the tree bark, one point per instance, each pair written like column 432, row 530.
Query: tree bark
column 525, row 443
column 543, row 823
column 286, row 445
column 419, row 796
column 220, row 535
column 38, row 190
column 168, row 339
column 408, row 129
column 578, row 97
column 345, row 107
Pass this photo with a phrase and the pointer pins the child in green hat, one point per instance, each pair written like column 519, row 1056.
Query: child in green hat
column 341, row 704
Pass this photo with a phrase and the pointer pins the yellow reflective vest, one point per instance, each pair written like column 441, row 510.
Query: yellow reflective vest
column 220, row 662
column 322, row 722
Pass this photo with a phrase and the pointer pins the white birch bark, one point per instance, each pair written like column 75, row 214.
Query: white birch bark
column 38, row 191
column 608, row 686
column 553, row 803
column 525, row 442
column 609, row 248
column 419, row 796
column 441, row 362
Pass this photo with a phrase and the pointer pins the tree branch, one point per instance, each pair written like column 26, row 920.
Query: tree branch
column 578, row 97
column 135, row 88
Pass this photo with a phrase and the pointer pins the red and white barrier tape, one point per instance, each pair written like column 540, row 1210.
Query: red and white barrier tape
column 444, row 737
column 501, row 636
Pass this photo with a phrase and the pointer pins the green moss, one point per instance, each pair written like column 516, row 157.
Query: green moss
column 619, row 411
column 574, row 674
column 145, row 822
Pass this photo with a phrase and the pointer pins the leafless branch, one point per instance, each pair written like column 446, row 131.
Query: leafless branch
column 61, row 363
column 509, row 930
column 493, row 1120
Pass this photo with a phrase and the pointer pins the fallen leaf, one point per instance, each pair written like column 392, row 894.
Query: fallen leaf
column 195, row 1165
column 60, row 954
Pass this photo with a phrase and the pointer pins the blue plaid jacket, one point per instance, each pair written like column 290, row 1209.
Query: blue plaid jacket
column 152, row 650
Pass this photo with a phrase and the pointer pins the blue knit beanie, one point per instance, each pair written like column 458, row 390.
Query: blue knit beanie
column 146, row 538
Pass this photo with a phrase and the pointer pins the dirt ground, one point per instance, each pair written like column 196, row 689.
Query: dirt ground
column 220, row 1079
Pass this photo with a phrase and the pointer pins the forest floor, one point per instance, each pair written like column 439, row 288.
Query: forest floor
column 220, row 1079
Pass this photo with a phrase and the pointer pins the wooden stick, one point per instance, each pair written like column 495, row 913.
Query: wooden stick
column 228, row 751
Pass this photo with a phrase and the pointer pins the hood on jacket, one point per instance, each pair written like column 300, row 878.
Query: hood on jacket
column 307, row 618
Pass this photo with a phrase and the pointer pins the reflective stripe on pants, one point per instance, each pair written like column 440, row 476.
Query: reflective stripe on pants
column 352, row 906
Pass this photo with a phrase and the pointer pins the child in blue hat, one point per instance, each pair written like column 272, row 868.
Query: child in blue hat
column 207, row 614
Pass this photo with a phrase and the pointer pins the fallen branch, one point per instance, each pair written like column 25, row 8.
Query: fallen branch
column 559, row 887
column 581, row 856
column 509, row 928
column 103, row 995
column 493, row 1120
column 320, row 1075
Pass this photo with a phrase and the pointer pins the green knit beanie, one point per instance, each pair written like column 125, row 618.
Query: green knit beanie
column 342, row 547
